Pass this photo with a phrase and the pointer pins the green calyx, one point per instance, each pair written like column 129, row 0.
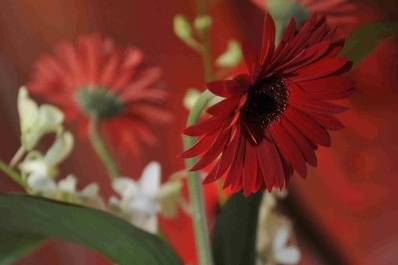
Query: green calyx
column 98, row 102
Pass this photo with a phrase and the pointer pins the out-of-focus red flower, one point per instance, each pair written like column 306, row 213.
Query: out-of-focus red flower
column 272, row 119
column 94, row 78
column 338, row 12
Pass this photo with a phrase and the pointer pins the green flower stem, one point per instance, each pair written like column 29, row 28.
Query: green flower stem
column 102, row 150
column 18, row 156
column 10, row 172
column 201, row 229
column 195, row 188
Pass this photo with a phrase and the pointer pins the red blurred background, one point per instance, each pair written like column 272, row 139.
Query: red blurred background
column 350, row 199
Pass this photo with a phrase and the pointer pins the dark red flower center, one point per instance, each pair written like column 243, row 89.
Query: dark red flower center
column 98, row 102
column 266, row 100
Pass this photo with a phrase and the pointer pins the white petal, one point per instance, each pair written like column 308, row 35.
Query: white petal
column 288, row 256
column 126, row 187
column 27, row 109
column 41, row 184
column 113, row 201
column 281, row 238
column 67, row 184
column 36, row 166
column 151, row 224
column 145, row 222
column 90, row 191
column 50, row 118
column 141, row 205
column 60, row 149
column 150, row 179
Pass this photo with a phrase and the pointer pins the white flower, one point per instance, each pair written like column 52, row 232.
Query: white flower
column 139, row 198
column 142, row 200
column 281, row 252
column 41, row 184
column 36, row 121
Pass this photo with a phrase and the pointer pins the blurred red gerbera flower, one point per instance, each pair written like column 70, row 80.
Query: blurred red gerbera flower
column 94, row 78
column 338, row 12
column 272, row 119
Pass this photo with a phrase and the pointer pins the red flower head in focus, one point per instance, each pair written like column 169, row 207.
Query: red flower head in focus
column 273, row 118
column 94, row 78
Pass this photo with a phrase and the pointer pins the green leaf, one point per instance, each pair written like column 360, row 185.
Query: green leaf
column 14, row 246
column 366, row 38
column 235, row 230
column 124, row 244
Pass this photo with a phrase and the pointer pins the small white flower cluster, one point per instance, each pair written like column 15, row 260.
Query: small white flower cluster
column 40, row 170
column 275, row 244
column 139, row 202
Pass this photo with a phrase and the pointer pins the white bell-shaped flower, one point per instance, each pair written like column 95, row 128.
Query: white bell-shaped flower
column 139, row 198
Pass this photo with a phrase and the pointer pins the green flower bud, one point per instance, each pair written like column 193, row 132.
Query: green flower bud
column 203, row 23
column 232, row 55
column 182, row 28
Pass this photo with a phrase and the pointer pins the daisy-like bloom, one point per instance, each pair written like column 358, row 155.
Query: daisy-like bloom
column 272, row 119
column 94, row 78
column 339, row 12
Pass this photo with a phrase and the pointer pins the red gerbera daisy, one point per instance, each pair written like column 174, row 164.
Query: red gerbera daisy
column 94, row 78
column 339, row 12
column 272, row 119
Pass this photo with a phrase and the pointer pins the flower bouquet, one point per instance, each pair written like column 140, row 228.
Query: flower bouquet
column 265, row 109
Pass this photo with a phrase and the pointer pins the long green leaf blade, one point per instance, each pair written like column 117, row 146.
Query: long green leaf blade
column 366, row 38
column 37, row 218
column 235, row 231
column 15, row 246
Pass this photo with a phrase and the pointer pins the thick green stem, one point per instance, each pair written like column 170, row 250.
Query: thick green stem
column 195, row 189
column 101, row 149
column 13, row 175
column 200, row 225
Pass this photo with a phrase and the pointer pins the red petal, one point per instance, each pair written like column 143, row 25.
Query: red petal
column 200, row 146
column 250, row 58
column 299, row 100
column 206, row 126
column 223, row 107
column 149, row 112
column 288, row 148
column 228, row 156
column 268, row 42
column 305, row 146
column 310, row 128
column 334, row 87
column 270, row 165
column 212, row 176
column 327, row 121
column 213, row 152
column 250, row 170
column 234, row 177
column 323, row 68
